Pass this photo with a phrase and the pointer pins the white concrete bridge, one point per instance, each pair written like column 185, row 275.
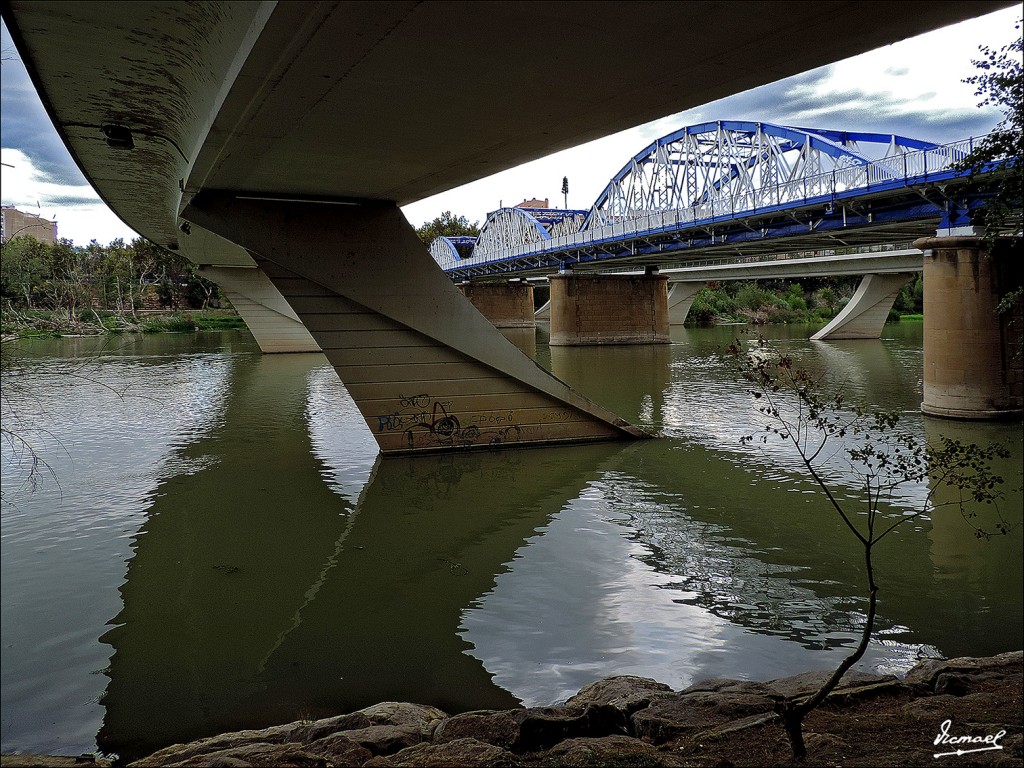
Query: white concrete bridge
column 884, row 272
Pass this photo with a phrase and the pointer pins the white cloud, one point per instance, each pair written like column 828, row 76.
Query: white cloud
column 80, row 214
column 932, row 65
column 588, row 168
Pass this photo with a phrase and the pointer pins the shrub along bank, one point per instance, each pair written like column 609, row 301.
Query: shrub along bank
column 60, row 288
column 815, row 300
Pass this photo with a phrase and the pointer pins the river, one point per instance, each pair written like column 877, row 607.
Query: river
column 214, row 543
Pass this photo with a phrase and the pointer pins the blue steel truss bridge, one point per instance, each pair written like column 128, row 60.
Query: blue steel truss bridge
column 733, row 188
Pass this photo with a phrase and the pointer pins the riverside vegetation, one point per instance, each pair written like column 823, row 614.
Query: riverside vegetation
column 816, row 300
column 60, row 289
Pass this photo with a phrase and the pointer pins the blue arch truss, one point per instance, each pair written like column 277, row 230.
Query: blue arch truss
column 736, row 182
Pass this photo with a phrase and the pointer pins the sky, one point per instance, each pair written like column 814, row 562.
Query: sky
column 914, row 88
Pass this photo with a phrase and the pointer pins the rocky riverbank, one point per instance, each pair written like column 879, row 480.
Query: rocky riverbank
column 965, row 711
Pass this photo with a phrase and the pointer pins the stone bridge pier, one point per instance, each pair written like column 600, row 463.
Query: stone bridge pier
column 506, row 305
column 609, row 309
column 973, row 358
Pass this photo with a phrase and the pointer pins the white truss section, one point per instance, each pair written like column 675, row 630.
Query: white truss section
column 567, row 225
column 508, row 227
column 444, row 253
column 519, row 228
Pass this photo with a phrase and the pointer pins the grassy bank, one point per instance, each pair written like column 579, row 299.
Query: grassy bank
column 29, row 323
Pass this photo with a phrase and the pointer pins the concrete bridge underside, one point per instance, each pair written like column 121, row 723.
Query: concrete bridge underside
column 281, row 136
column 425, row 368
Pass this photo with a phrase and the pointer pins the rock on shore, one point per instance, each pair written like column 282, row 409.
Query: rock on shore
column 633, row 721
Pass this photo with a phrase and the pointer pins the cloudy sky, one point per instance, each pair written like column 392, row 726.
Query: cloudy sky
column 912, row 88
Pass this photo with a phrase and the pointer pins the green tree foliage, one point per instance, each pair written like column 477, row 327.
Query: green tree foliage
column 82, row 281
column 795, row 298
column 24, row 266
column 1000, row 83
column 815, row 300
column 446, row 225
column 65, row 288
column 835, row 440
column 910, row 300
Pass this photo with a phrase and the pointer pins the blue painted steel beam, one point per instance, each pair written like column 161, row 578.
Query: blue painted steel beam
column 827, row 141
column 842, row 137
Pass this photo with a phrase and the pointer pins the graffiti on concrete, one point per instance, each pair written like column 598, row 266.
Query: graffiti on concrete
column 424, row 420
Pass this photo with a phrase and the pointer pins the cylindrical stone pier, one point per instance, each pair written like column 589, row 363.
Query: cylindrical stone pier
column 972, row 353
column 609, row 309
column 506, row 305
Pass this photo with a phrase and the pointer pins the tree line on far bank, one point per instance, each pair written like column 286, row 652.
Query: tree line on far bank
column 60, row 286
column 813, row 300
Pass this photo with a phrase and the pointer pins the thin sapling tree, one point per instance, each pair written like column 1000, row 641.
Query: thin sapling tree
column 836, row 442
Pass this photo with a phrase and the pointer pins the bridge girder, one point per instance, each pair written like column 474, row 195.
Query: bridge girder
column 350, row 101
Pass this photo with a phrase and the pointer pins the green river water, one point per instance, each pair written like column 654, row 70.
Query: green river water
column 219, row 546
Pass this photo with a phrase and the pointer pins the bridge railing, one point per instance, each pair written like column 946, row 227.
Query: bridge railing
column 902, row 169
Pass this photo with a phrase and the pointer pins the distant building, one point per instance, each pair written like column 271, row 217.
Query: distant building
column 535, row 203
column 17, row 223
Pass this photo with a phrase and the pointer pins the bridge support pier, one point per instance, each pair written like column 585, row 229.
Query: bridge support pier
column 425, row 368
column 973, row 358
column 609, row 309
column 270, row 320
column 680, row 299
column 865, row 314
column 506, row 305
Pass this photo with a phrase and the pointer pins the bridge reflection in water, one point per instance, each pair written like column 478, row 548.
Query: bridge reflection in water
column 279, row 598
column 292, row 575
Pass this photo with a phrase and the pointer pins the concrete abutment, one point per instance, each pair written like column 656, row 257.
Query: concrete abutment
column 267, row 315
column 865, row 314
column 680, row 299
